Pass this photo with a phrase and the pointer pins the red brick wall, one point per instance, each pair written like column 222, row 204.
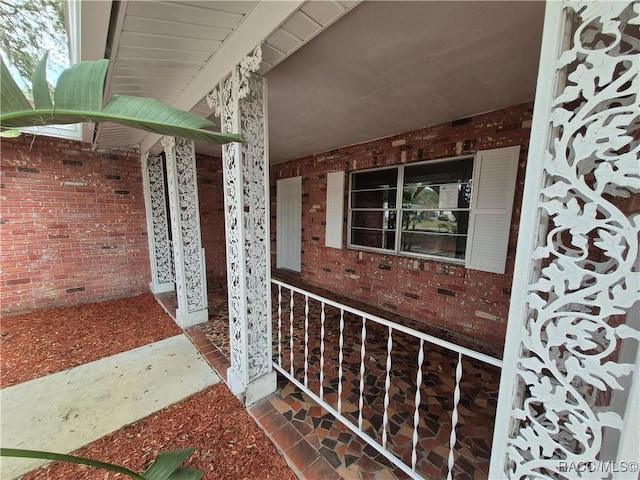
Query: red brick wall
column 443, row 294
column 72, row 224
column 211, row 200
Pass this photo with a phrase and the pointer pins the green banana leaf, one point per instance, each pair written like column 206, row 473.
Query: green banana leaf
column 78, row 98
column 165, row 467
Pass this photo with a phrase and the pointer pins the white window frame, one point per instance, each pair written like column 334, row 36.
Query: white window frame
column 399, row 211
column 492, row 246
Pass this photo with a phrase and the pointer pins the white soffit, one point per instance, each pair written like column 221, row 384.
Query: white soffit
column 163, row 49
column 159, row 47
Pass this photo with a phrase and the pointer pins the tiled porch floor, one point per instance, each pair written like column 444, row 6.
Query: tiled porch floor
column 318, row 446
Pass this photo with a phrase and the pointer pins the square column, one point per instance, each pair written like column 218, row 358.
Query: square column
column 157, row 224
column 188, row 254
column 241, row 98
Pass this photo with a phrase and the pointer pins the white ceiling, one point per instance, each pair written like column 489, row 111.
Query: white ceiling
column 382, row 67
column 392, row 67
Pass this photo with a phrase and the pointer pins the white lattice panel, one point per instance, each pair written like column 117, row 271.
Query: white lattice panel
column 576, row 273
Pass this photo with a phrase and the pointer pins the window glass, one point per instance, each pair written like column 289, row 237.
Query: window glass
column 438, row 173
column 380, row 219
column 436, row 199
column 374, row 198
column 376, row 179
column 454, row 195
column 434, row 221
column 384, row 239
column 450, row 246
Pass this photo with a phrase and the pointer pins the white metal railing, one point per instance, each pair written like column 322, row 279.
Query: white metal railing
column 314, row 371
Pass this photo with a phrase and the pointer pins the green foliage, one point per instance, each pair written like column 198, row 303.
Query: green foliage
column 78, row 98
column 167, row 465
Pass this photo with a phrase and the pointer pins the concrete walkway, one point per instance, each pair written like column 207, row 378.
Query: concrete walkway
column 67, row 410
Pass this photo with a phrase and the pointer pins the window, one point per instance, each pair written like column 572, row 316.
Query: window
column 439, row 209
column 373, row 209
column 435, row 208
column 432, row 203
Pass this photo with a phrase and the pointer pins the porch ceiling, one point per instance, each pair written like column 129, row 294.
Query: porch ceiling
column 382, row 67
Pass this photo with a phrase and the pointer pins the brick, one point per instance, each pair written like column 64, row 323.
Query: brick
column 28, row 170
column 53, row 233
column 18, row 281
column 75, row 290
column 448, row 292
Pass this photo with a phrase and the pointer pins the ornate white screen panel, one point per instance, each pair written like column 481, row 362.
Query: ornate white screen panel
column 572, row 343
column 256, row 221
column 241, row 102
column 157, row 223
column 185, row 224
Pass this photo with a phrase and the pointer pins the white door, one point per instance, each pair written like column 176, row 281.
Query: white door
column 289, row 223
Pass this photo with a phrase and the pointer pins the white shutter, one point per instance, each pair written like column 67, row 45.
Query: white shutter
column 494, row 181
column 335, row 209
column 289, row 223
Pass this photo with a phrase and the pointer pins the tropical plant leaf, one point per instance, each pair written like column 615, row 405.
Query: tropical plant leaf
column 41, row 95
column 60, row 457
column 11, row 97
column 81, row 87
column 10, row 133
column 78, row 98
column 167, row 465
column 183, row 473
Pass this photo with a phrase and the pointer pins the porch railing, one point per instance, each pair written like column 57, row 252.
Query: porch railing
column 382, row 380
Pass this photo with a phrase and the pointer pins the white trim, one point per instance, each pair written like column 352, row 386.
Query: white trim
column 264, row 19
column 399, row 211
column 267, row 243
column 71, row 132
column 157, row 288
column 115, row 45
column 186, row 320
column 88, row 30
column 527, row 231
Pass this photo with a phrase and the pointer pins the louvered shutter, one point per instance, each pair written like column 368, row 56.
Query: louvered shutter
column 494, row 180
column 335, row 209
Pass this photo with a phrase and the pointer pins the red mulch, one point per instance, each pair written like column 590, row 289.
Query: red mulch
column 229, row 444
column 47, row 341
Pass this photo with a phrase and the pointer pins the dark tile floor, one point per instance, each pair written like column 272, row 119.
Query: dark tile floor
column 318, row 446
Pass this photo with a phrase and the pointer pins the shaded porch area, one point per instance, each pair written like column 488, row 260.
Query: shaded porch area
column 320, row 446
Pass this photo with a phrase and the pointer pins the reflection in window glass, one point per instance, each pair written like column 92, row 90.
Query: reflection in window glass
column 374, row 238
column 433, row 221
column 374, row 199
column 457, row 195
column 439, row 173
column 377, row 179
column 451, row 246
column 433, row 214
column 374, row 219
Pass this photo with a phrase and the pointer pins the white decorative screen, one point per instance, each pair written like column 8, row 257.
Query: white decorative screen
column 576, row 277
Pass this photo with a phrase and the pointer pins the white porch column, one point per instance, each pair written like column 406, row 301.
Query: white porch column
column 157, row 224
column 188, row 254
column 241, row 101
column 567, row 406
